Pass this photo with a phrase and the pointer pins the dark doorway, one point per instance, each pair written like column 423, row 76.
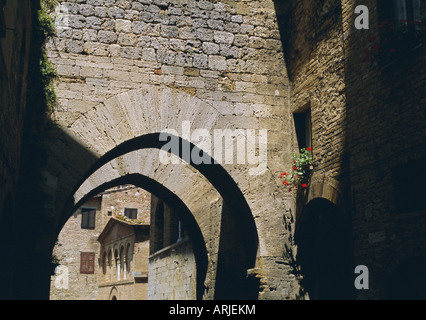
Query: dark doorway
column 324, row 252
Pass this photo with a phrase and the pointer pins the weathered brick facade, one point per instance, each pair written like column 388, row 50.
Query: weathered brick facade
column 368, row 132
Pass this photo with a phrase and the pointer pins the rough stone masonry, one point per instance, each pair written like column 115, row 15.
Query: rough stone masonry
column 117, row 58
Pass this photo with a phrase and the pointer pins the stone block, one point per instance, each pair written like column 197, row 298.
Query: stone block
column 96, row 49
column 217, row 63
column 223, row 37
column 122, row 25
column 107, row 36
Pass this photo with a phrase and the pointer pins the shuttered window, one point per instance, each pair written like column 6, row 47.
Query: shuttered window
column 88, row 218
column 87, row 262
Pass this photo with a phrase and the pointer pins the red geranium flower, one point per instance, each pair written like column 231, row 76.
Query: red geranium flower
column 304, row 185
column 309, row 148
column 294, row 168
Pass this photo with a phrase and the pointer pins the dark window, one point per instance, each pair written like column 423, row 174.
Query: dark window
column 302, row 122
column 406, row 15
column 131, row 213
column 87, row 262
column 88, row 218
column 400, row 27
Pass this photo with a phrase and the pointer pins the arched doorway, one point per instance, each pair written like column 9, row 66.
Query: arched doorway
column 324, row 251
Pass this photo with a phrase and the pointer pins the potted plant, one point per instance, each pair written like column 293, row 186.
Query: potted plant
column 301, row 169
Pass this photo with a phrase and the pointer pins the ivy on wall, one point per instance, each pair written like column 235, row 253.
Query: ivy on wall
column 42, row 70
column 40, row 103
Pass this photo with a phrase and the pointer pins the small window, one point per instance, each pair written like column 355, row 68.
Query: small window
column 88, row 218
column 302, row 122
column 131, row 213
column 87, row 262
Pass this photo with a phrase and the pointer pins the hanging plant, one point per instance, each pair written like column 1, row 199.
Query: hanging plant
column 301, row 168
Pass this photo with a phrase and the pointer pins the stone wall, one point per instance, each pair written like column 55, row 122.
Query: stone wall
column 14, row 55
column 114, row 201
column 386, row 143
column 366, row 129
column 172, row 273
column 71, row 242
column 15, row 41
column 123, row 62
column 227, row 53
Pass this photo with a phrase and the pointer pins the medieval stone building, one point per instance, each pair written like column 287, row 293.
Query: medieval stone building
column 123, row 260
column 102, row 251
column 202, row 104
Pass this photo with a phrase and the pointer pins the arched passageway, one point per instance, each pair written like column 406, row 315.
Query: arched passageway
column 232, row 250
column 121, row 136
column 324, row 251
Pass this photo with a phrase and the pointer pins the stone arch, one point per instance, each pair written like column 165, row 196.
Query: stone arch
column 324, row 253
column 138, row 114
column 113, row 295
column 214, row 183
column 322, row 186
column 102, row 137
column 185, row 215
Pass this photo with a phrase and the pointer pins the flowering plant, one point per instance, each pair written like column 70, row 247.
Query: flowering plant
column 299, row 174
